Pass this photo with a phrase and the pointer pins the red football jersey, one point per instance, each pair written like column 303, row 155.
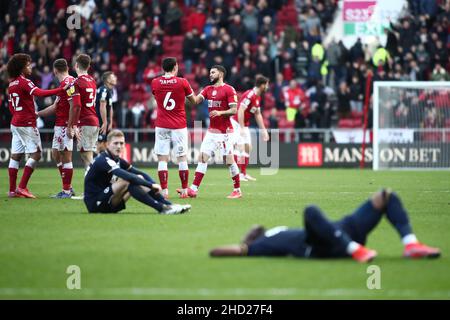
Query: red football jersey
column 170, row 93
column 21, row 102
column 220, row 98
column 62, row 104
column 85, row 87
column 250, row 102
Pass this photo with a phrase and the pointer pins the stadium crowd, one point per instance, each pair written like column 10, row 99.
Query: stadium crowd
column 313, row 86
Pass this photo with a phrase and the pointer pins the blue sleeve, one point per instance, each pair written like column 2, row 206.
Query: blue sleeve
column 142, row 173
column 130, row 177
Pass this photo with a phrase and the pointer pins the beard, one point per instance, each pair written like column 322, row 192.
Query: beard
column 214, row 81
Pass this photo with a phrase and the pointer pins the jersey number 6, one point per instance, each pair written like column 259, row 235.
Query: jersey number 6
column 169, row 104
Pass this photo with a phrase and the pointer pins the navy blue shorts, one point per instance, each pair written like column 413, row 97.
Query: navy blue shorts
column 102, row 202
column 281, row 242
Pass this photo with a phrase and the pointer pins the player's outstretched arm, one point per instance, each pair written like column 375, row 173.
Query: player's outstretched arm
column 142, row 173
column 38, row 92
column 194, row 100
column 229, row 251
column 133, row 178
column 47, row 111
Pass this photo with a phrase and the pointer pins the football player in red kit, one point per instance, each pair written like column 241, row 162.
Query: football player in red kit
column 25, row 134
column 170, row 93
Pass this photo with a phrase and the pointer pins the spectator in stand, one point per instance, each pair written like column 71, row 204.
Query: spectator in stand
column 152, row 71
column 295, row 100
column 172, row 18
column 356, row 95
column 197, row 19
column 277, row 91
column 189, row 51
column 439, row 73
column 250, row 20
column 343, row 101
column 273, row 119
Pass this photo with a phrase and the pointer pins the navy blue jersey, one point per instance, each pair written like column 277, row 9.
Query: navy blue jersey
column 287, row 242
column 100, row 174
column 103, row 94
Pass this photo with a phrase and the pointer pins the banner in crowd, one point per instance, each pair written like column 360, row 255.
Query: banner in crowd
column 369, row 17
column 350, row 136
column 411, row 155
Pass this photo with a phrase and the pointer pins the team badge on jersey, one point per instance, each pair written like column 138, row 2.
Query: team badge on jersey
column 214, row 92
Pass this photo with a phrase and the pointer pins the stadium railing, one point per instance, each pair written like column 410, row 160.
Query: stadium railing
column 286, row 135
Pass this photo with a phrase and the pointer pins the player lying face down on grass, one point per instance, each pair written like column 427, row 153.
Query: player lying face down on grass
column 322, row 238
column 110, row 181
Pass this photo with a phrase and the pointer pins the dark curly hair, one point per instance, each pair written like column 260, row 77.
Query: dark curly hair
column 16, row 64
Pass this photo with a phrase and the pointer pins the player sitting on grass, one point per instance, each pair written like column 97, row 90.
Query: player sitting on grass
column 100, row 195
column 322, row 238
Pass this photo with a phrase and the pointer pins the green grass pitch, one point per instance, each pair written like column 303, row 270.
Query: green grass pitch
column 139, row 254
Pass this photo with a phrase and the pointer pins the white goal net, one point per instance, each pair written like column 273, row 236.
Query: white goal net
column 411, row 125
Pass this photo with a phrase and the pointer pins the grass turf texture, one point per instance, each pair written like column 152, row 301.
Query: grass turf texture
column 139, row 254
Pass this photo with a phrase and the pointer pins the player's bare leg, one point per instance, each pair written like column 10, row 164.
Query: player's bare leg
column 200, row 172
column 56, row 156
column 234, row 172
column 66, row 175
column 13, row 169
column 246, row 156
column 87, row 157
column 120, row 190
column 183, row 172
column 27, row 172
column 163, row 174
column 240, row 159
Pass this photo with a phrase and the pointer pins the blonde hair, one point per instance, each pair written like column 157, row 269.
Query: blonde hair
column 114, row 133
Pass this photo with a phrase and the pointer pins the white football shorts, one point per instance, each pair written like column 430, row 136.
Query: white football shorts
column 89, row 137
column 25, row 140
column 61, row 141
column 222, row 142
column 178, row 137
column 240, row 139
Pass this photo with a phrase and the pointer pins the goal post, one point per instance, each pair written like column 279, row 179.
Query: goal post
column 411, row 125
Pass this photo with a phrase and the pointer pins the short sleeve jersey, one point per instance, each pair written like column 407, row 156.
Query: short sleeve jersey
column 220, row 98
column 170, row 93
column 250, row 101
column 84, row 86
column 62, row 104
column 21, row 102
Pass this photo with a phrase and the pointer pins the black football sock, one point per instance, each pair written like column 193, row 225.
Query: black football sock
column 159, row 197
column 140, row 195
